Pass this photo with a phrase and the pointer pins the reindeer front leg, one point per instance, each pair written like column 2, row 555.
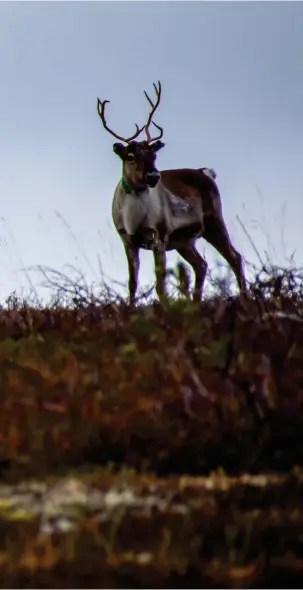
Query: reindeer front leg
column 151, row 240
column 160, row 271
column 132, row 254
column 159, row 245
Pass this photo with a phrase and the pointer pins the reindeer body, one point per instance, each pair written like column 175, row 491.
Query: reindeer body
column 172, row 208
column 166, row 210
column 133, row 212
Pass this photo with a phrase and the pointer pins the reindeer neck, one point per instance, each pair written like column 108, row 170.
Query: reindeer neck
column 130, row 191
column 126, row 186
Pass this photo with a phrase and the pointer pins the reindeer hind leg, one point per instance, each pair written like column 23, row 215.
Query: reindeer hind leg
column 199, row 265
column 216, row 234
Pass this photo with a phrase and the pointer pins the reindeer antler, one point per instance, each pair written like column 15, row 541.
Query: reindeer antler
column 101, row 113
column 154, row 108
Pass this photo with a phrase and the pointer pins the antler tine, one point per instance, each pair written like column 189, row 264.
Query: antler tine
column 153, row 109
column 101, row 112
column 158, row 93
column 160, row 129
column 150, row 102
column 158, row 90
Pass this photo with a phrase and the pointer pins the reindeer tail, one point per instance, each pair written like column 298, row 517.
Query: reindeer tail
column 209, row 172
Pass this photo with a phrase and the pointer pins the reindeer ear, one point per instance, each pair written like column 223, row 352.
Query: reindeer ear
column 158, row 145
column 119, row 149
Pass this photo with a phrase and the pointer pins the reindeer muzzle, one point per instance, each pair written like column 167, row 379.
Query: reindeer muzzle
column 152, row 178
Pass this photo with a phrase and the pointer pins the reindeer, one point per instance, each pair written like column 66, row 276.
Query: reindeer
column 167, row 210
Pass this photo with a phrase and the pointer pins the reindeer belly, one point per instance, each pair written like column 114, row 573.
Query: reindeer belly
column 184, row 214
column 143, row 211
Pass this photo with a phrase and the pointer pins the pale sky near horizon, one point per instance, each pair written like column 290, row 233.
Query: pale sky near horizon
column 232, row 82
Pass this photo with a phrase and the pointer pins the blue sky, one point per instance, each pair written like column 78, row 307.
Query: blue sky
column 232, row 99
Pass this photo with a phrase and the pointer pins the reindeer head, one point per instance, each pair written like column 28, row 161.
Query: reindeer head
column 138, row 157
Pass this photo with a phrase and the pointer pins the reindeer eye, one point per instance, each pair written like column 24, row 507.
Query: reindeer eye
column 131, row 157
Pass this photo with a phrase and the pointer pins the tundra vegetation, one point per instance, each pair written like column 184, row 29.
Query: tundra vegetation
column 149, row 447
